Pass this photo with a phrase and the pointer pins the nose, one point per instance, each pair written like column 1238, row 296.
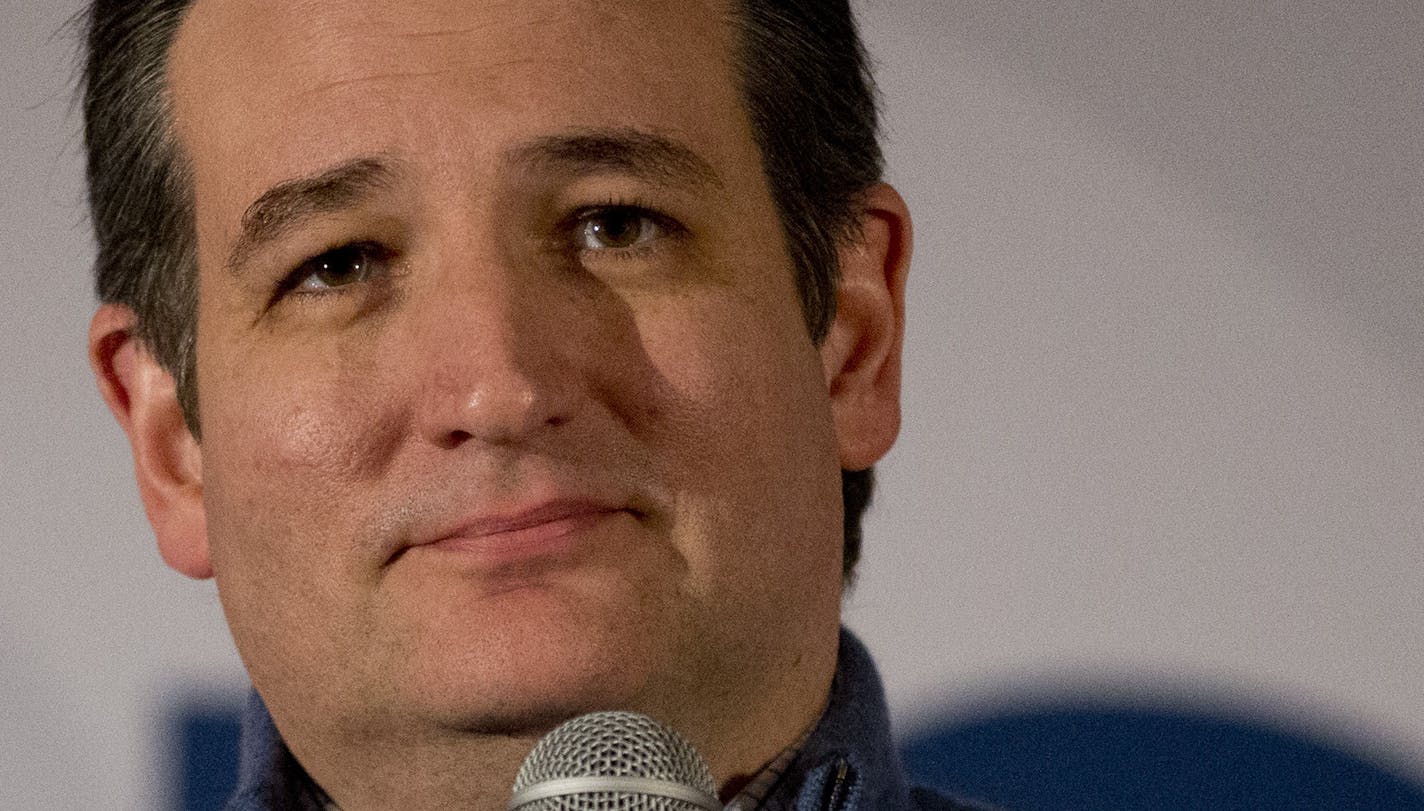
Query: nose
column 497, row 357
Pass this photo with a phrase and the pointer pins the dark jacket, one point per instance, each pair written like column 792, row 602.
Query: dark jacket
column 849, row 763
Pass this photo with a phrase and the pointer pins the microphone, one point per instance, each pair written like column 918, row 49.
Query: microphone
column 614, row 761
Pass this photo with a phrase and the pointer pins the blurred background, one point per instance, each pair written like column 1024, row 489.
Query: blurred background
column 1152, row 534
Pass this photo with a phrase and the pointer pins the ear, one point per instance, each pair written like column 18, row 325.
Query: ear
column 167, row 460
column 861, row 353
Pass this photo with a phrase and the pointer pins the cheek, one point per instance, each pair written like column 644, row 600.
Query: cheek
column 747, row 439
column 334, row 434
column 289, row 449
column 741, row 371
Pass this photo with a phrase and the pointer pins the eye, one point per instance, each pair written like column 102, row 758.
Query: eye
column 617, row 228
column 334, row 269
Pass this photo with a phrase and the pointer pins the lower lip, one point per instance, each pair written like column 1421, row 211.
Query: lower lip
column 550, row 538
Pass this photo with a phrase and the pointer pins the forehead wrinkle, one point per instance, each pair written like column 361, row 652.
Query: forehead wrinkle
column 634, row 151
column 285, row 206
column 439, row 32
column 380, row 35
column 376, row 77
column 464, row 69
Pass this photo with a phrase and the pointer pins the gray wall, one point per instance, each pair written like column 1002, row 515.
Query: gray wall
column 1165, row 388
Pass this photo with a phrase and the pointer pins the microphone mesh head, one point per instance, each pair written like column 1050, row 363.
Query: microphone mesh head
column 613, row 744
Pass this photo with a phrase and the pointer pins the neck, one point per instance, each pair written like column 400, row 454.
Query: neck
column 434, row 770
column 435, row 778
column 740, row 710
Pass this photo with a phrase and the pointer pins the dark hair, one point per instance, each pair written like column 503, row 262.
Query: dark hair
column 806, row 85
column 140, row 197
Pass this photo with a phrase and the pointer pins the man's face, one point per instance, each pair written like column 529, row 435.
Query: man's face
column 508, row 406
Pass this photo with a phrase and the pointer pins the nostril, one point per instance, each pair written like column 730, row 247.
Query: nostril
column 457, row 438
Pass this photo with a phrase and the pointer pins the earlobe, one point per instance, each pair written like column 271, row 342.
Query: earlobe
column 167, row 459
column 861, row 353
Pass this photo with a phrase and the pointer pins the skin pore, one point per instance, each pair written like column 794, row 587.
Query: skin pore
column 509, row 411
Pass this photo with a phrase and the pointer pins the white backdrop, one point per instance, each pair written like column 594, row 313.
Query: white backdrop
column 1164, row 426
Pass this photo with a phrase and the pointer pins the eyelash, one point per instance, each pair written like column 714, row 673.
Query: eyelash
column 571, row 229
column 366, row 252
column 613, row 203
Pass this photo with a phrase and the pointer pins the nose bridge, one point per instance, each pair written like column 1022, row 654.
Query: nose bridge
column 491, row 345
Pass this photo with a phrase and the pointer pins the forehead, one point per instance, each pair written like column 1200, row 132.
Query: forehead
column 266, row 90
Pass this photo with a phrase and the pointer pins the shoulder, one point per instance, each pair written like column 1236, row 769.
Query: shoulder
column 923, row 799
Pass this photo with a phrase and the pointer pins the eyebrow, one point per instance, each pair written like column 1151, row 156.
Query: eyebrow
column 636, row 152
column 291, row 203
column 286, row 206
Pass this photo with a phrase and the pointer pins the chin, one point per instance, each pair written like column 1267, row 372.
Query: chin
column 539, row 662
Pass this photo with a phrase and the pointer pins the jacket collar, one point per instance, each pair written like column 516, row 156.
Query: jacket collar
column 268, row 776
column 849, row 762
